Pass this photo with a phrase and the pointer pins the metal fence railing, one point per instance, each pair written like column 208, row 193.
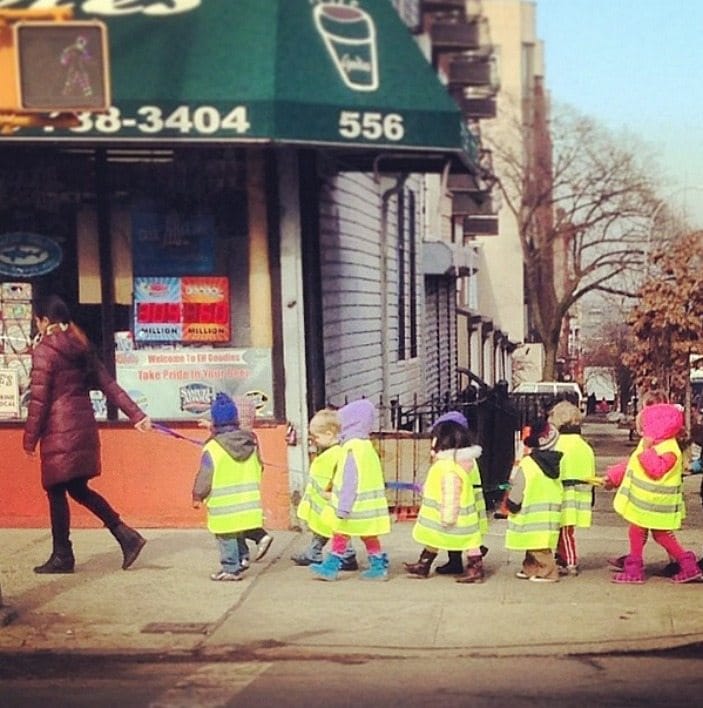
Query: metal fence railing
column 404, row 445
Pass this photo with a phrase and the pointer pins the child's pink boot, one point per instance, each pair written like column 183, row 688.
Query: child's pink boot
column 689, row 569
column 632, row 574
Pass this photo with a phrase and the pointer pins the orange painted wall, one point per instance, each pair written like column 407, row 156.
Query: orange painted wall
column 147, row 478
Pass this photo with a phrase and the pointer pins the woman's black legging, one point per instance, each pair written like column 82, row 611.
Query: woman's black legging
column 61, row 514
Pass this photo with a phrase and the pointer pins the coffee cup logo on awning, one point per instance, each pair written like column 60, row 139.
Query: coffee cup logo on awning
column 349, row 34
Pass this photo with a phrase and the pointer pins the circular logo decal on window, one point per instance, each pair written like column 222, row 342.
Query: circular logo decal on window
column 27, row 255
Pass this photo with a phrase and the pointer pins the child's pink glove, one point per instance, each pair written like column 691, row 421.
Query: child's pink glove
column 614, row 475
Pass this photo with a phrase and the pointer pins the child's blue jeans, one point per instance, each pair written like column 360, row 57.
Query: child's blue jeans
column 229, row 551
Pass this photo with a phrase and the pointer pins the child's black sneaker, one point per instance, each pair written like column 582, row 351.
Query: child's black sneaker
column 349, row 564
column 263, row 547
column 617, row 563
column 669, row 570
column 302, row 559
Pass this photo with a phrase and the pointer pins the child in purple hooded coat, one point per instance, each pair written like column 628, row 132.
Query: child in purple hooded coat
column 358, row 505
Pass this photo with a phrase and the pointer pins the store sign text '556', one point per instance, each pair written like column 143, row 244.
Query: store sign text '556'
column 209, row 120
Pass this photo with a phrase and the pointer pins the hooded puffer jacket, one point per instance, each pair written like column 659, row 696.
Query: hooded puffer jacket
column 60, row 412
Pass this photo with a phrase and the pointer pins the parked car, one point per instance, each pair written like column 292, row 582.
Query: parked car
column 556, row 389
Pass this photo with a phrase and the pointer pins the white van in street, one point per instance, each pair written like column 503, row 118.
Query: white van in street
column 555, row 389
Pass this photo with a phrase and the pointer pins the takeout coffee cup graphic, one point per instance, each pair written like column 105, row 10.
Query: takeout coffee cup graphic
column 349, row 34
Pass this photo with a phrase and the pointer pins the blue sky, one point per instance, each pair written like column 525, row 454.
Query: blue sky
column 635, row 65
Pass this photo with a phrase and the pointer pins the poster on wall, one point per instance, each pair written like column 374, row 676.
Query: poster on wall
column 189, row 309
column 15, row 341
column 169, row 243
column 9, row 394
column 180, row 384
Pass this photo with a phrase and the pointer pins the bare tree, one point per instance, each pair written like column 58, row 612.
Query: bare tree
column 582, row 200
column 667, row 321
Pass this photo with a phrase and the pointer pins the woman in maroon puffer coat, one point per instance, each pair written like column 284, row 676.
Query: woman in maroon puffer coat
column 64, row 370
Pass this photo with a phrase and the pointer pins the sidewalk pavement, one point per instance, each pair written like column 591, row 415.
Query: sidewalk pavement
column 167, row 605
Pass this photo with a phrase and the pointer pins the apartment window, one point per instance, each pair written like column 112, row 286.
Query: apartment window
column 528, row 68
column 407, row 276
column 412, row 253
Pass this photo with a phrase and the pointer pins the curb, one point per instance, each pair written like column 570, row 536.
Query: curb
column 277, row 651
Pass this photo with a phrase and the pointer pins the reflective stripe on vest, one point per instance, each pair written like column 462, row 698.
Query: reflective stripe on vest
column 536, row 525
column 477, row 483
column 428, row 529
column 369, row 513
column 577, row 463
column 314, row 501
column 234, row 502
column 649, row 503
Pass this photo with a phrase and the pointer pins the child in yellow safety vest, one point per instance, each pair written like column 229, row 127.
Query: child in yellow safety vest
column 455, row 562
column 649, row 494
column 229, row 483
column 449, row 517
column 358, row 505
column 577, row 470
column 617, row 472
column 324, row 431
column 534, row 504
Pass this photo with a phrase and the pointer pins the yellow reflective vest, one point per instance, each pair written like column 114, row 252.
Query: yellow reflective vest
column 428, row 529
column 536, row 526
column 477, row 484
column 369, row 513
column 578, row 463
column 652, row 503
column 234, row 502
column 314, row 500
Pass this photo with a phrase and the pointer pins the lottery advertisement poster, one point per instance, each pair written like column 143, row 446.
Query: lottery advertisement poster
column 188, row 309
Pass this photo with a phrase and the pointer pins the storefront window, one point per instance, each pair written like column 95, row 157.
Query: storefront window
column 180, row 255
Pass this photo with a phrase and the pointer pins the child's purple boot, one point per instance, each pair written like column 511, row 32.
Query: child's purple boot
column 329, row 568
column 632, row 573
column 689, row 569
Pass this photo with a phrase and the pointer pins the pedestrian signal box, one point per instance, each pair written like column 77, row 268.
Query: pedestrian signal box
column 62, row 66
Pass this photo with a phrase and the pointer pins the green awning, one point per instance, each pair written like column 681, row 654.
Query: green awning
column 276, row 71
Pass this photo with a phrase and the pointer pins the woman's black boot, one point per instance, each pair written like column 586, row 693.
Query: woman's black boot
column 455, row 565
column 61, row 560
column 131, row 542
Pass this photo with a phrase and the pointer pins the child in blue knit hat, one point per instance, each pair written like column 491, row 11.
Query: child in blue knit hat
column 228, row 482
